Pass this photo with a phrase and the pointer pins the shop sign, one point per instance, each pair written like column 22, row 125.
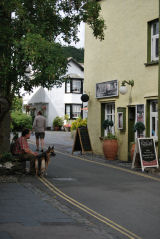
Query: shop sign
column 147, row 152
column 107, row 89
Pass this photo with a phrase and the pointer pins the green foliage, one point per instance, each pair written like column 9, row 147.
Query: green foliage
column 8, row 157
column 139, row 127
column 57, row 122
column 17, row 104
column 29, row 53
column 78, row 123
column 20, row 121
column 66, row 117
column 76, row 53
column 5, row 157
column 107, row 124
column 28, row 40
column 110, row 136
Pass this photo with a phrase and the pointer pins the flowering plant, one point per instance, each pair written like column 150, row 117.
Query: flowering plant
column 67, row 125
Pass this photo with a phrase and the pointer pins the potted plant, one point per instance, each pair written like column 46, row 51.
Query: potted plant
column 139, row 127
column 76, row 124
column 57, row 123
column 110, row 144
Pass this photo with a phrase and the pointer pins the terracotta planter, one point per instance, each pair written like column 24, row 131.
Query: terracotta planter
column 110, row 148
column 56, row 128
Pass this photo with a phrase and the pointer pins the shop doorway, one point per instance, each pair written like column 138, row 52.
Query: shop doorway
column 131, row 122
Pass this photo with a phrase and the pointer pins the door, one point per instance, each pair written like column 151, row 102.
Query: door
column 131, row 122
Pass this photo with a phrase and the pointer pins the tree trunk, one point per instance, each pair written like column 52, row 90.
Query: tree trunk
column 5, row 133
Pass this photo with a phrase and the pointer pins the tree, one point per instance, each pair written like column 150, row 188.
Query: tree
column 29, row 53
column 76, row 53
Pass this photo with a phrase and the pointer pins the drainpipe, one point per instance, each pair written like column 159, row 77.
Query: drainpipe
column 159, row 92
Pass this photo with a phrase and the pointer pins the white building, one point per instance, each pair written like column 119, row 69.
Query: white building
column 62, row 100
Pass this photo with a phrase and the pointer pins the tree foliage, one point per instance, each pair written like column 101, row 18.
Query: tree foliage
column 29, row 29
column 17, row 104
column 30, row 54
column 76, row 53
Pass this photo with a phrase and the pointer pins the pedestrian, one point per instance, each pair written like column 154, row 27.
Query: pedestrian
column 39, row 126
column 22, row 150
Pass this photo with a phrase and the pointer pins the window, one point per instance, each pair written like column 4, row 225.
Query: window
column 110, row 115
column 73, row 110
column 74, row 86
column 68, row 87
column 140, row 117
column 154, row 40
column 154, row 119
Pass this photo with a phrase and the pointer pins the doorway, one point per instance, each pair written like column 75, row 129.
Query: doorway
column 131, row 122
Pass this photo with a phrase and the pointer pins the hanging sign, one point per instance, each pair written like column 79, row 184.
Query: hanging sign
column 82, row 141
column 147, row 151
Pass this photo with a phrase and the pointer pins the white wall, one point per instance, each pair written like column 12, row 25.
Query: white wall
column 57, row 96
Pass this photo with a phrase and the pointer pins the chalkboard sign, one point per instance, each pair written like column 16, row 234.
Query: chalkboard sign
column 82, row 141
column 146, row 149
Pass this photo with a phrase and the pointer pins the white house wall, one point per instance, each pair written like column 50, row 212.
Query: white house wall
column 57, row 96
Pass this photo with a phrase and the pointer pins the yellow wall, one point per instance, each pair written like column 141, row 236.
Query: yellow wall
column 120, row 56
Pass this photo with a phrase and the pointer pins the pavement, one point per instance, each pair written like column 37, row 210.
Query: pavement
column 27, row 210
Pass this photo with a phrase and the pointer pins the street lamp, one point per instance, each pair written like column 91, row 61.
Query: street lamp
column 123, row 88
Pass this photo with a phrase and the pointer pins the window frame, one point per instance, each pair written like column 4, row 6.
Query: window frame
column 151, row 42
column 154, row 115
column 107, row 116
column 71, row 110
column 71, row 86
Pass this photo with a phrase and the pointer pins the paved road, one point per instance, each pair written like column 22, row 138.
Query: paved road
column 106, row 199
column 130, row 200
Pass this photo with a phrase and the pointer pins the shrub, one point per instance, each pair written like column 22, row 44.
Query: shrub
column 78, row 123
column 57, row 122
column 139, row 127
column 20, row 121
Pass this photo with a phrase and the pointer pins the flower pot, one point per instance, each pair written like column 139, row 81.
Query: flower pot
column 110, row 148
column 56, row 128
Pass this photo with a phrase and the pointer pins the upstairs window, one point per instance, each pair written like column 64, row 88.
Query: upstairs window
column 154, row 40
column 74, row 86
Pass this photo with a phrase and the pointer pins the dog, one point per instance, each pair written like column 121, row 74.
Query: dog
column 42, row 161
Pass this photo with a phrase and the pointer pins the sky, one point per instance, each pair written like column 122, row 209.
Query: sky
column 81, row 35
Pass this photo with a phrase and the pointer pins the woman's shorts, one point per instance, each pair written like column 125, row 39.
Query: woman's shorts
column 40, row 135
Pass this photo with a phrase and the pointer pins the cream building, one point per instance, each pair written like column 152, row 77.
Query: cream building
column 129, row 52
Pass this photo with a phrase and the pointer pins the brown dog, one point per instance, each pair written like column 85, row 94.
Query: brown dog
column 42, row 161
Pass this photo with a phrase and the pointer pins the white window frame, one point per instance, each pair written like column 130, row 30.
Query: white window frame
column 77, row 89
column 153, row 43
column 154, row 115
column 110, row 116
column 68, row 111
column 77, row 113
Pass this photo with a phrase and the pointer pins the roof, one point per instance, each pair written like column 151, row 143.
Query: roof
column 80, row 65
column 39, row 97
column 74, row 76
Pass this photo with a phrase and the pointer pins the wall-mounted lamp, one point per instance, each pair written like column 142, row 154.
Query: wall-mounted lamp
column 123, row 88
